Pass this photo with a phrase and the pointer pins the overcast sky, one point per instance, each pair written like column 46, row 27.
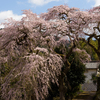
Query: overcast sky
column 13, row 8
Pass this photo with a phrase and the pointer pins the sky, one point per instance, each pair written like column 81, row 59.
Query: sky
column 13, row 8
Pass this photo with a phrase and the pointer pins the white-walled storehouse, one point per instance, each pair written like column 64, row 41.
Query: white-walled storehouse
column 91, row 68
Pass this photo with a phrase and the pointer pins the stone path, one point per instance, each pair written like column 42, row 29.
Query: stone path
column 85, row 96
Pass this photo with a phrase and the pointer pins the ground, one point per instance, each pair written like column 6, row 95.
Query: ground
column 85, row 96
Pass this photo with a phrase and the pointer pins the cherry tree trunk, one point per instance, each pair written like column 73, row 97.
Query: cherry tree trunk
column 98, row 50
column 98, row 83
column 61, row 88
column 99, row 56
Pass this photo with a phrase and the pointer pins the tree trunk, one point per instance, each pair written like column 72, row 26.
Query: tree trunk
column 98, row 49
column 61, row 88
column 98, row 56
column 98, row 83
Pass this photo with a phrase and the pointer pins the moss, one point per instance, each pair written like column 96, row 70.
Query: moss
column 5, row 69
column 14, row 81
column 56, row 98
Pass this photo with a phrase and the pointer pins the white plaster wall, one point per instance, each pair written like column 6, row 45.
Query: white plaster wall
column 88, row 75
column 92, row 64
